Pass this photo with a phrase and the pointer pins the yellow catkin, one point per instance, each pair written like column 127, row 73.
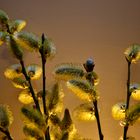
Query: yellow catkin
column 83, row 89
column 84, row 112
column 68, row 71
column 132, row 53
column 118, row 111
column 34, row 71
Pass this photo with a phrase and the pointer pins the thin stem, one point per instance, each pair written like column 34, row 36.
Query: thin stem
column 128, row 86
column 47, row 134
column 98, row 120
column 30, row 86
column 91, row 80
column 7, row 133
column 44, row 87
column 125, row 132
column 43, row 58
column 128, row 99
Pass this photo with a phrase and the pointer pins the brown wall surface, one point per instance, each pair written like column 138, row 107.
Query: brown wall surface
column 80, row 29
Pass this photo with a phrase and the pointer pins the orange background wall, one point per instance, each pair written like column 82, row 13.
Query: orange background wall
column 100, row 29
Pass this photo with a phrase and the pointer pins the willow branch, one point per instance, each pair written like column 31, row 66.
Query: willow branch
column 30, row 86
column 44, row 86
column 127, row 100
column 43, row 58
column 95, row 103
column 98, row 120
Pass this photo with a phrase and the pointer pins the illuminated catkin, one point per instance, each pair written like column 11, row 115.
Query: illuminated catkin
column 34, row 71
column 128, row 138
column 31, row 115
column 17, row 25
column 92, row 77
column 13, row 71
column 84, row 112
column 54, row 99
column 2, row 37
column 118, row 111
column 83, row 89
column 15, row 48
column 27, row 40
column 32, row 131
column 68, row 71
column 47, row 49
column 132, row 53
column 55, row 132
column 6, row 117
column 25, row 97
column 3, row 17
column 133, row 114
column 20, row 83
column 135, row 91
column 29, row 138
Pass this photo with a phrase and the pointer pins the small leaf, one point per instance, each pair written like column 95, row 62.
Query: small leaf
column 34, row 71
column 68, row 71
column 33, row 116
column 16, row 50
column 132, row 53
column 83, row 89
column 27, row 40
column 25, row 97
column 133, row 114
column 17, row 25
column 6, row 117
column 67, row 124
column 118, row 111
column 84, row 112
column 13, row 71
column 135, row 91
column 20, row 83
column 3, row 17
column 32, row 131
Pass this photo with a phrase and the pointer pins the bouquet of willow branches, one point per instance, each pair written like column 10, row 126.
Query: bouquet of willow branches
column 42, row 109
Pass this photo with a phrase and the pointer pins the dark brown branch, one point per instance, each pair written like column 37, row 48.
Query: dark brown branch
column 30, row 86
column 128, row 99
column 43, row 58
column 98, row 120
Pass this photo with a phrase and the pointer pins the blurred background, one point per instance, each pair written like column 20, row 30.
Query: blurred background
column 80, row 29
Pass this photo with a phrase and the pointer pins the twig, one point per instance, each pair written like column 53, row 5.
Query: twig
column 89, row 67
column 47, row 134
column 43, row 58
column 98, row 120
column 30, row 86
column 127, row 100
